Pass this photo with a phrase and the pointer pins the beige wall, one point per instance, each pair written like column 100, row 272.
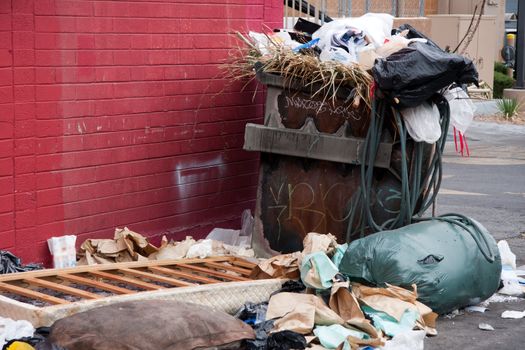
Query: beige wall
column 492, row 8
column 448, row 30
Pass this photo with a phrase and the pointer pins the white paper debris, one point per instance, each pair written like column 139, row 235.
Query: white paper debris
column 11, row 329
column 485, row 327
column 513, row 314
column 476, row 308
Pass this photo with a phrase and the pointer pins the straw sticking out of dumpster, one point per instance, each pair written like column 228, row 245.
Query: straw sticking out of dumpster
column 324, row 78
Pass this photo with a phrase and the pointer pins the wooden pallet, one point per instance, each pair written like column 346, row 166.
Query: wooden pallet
column 46, row 295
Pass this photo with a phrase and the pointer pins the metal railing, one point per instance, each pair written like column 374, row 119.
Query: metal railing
column 320, row 11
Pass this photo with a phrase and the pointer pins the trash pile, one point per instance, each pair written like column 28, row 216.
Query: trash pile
column 368, row 57
column 412, row 89
column 131, row 246
column 381, row 291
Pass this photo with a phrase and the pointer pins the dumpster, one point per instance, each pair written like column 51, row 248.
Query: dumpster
column 356, row 119
column 311, row 152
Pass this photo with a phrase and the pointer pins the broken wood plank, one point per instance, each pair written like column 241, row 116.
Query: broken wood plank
column 189, row 276
column 32, row 294
column 212, row 272
column 61, row 288
column 153, row 277
column 126, row 280
column 236, row 269
column 94, row 283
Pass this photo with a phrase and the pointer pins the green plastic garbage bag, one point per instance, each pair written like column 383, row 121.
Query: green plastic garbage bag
column 452, row 259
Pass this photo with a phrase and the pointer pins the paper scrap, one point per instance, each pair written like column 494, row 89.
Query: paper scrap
column 513, row 314
column 485, row 327
column 476, row 308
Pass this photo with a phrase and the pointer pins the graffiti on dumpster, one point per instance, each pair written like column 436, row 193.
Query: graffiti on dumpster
column 300, row 200
column 295, row 108
column 318, row 106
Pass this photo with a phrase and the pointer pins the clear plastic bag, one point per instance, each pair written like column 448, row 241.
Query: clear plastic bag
column 461, row 109
column 422, row 122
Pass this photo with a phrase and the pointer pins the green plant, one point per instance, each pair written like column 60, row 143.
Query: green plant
column 500, row 67
column 501, row 82
column 509, row 107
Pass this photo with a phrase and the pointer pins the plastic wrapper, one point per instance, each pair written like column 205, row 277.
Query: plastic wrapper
column 422, row 122
column 453, row 265
column 9, row 263
column 377, row 26
column 412, row 75
column 461, row 108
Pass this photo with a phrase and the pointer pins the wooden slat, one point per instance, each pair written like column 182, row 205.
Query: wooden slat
column 97, row 284
column 153, row 277
column 191, row 277
column 32, row 294
column 123, row 279
column 243, row 263
column 212, row 272
column 103, row 267
column 237, row 269
column 61, row 288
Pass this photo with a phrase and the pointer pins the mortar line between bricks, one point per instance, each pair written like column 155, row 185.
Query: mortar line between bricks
column 140, row 145
column 124, row 131
column 154, row 189
column 146, row 113
column 143, row 208
column 136, row 160
column 208, row 197
column 149, row 174
column 171, row 217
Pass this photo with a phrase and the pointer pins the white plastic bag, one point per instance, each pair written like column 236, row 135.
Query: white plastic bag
column 422, row 122
column 413, row 340
column 11, row 329
column 394, row 44
column 338, row 55
column 507, row 256
column 461, row 109
column 377, row 26
column 63, row 251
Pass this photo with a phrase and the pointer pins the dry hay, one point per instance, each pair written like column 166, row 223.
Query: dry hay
column 322, row 78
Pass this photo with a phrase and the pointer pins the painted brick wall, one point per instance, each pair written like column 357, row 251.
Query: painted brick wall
column 112, row 113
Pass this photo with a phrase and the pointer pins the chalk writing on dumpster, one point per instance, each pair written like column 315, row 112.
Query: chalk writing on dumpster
column 316, row 106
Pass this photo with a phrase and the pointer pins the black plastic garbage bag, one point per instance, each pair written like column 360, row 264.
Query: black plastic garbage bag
column 413, row 74
column 286, row 340
column 453, row 261
column 260, row 342
column 9, row 263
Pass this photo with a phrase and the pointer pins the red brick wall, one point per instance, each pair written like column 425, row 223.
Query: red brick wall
column 112, row 113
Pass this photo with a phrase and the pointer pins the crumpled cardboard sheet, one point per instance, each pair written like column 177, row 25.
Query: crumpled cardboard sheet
column 287, row 265
column 300, row 312
column 131, row 246
column 395, row 301
column 125, row 246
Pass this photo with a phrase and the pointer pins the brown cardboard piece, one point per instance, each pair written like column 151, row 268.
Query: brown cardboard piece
column 129, row 246
column 300, row 312
column 287, row 265
column 395, row 301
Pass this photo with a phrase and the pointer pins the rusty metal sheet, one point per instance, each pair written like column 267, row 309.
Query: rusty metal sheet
column 297, row 196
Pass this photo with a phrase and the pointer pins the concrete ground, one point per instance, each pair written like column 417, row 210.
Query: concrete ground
column 488, row 186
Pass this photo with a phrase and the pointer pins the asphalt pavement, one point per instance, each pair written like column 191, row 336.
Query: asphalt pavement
column 488, row 186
